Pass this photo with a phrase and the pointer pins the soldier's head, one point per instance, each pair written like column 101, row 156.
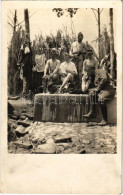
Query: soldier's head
column 89, row 53
column 54, row 53
column 80, row 37
column 67, row 57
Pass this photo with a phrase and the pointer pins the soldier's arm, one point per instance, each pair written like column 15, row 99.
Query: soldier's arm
column 96, row 64
column 103, row 80
column 46, row 68
column 84, row 65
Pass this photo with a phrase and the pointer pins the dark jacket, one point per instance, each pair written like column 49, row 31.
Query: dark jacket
column 102, row 80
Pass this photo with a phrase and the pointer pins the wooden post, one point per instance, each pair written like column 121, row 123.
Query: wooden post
column 99, row 34
column 15, row 20
column 111, row 42
column 27, row 29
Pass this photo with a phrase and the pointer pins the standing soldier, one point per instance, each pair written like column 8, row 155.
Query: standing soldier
column 78, row 51
column 25, row 60
column 38, row 69
column 27, row 69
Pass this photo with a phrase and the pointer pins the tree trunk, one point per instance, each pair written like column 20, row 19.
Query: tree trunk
column 15, row 20
column 99, row 35
column 27, row 29
column 111, row 42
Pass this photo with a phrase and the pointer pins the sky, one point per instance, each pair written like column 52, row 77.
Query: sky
column 45, row 21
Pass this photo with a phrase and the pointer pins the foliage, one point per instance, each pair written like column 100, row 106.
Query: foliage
column 60, row 12
column 104, row 43
column 13, row 73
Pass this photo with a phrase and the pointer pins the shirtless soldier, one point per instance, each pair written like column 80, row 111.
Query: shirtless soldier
column 89, row 67
column 51, row 70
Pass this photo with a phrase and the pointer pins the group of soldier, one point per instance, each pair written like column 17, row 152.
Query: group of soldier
column 80, row 66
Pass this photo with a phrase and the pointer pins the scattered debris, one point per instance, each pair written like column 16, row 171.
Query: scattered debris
column 11, row 136
column 46, row 149
column 10, row 108
column 30, row 116
column 24, row 123
column 14, row 117
column 13, row 98
column 83, row 152
column 50, row 141
column 23, row 111
column 63, row 139
column 25, row 145
column 21, row 131
column 22, row 117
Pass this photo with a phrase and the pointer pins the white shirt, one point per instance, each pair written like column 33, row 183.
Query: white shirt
column 65, row 68
column 40, row 62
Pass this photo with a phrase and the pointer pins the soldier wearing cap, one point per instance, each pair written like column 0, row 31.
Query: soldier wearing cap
column 89, row 67
column 51, row 70
column 78, row 51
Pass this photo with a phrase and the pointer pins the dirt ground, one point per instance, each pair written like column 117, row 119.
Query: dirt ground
column 56, row 138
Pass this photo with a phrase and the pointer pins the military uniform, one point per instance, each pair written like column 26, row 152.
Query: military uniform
column 104, row 92
column 104, row 89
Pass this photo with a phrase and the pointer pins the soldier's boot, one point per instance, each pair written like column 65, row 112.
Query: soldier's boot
column 104, row 115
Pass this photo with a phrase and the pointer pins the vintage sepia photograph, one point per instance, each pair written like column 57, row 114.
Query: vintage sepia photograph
column 61, row 97
column 62, row 81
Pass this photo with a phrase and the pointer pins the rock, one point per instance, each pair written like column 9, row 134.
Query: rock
column 46, row 149
column 38, row 139
column 22, row 117
column 63, row 139
column 50, row 141
column 11, row 125
column 10, row 109
column 35, row 123
column 86, row 142
column 25, row 145
column 14, row 117
column 11, row 135
column 13, row 98
column 23, row 111
column 83, row 152
column 24, row 123
column 30, row 116
column 63, row 144
column 21, row 131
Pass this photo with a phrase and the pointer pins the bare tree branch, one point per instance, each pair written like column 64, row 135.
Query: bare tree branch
column 11, row 25
column 95, row 15
column 94, row 9
column 10, row 19
column 101, row 10
column 20, row 23
column 24, row 20
column 11, row 12
column 32, row 14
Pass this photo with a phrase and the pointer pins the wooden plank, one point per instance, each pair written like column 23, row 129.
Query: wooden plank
column 63, row 108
